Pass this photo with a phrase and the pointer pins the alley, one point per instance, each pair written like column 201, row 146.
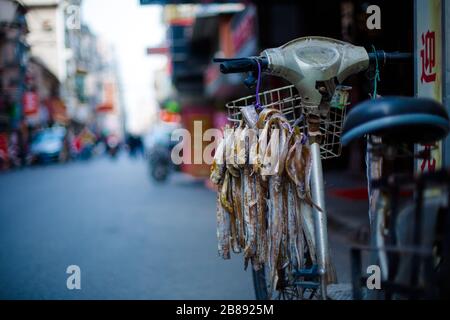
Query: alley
column 131, row 239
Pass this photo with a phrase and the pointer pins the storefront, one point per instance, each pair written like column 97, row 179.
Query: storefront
column 432, row 71
column 13, row 64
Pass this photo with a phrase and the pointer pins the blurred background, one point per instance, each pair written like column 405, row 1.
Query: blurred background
column 90, row 92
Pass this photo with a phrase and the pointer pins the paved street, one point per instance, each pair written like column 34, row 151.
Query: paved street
column 132, row 239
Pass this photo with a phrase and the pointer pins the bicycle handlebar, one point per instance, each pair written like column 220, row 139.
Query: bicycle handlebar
column 242, row 65
column 389, row 57
column 239, row 65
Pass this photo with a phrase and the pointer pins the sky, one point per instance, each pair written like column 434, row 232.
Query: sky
column 130, row 28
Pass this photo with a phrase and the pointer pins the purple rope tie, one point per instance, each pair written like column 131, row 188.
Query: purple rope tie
column 258, row 83
column 304, row 139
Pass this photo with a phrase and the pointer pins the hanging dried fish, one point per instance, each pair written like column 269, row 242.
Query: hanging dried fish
column 261, row 227
column 293, row 225
column 275, row 227
column 230, row 152
column 237, row 205
column 249, row 216
column 264, row 206
column 240, row 146
column 218, row 166
column 296, row 165
column 273, row 167
column 224, row 195
column 223, row 227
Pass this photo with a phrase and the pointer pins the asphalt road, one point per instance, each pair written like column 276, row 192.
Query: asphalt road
column 132, row 239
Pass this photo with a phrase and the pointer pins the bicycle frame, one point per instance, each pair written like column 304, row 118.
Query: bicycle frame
column 320, row 217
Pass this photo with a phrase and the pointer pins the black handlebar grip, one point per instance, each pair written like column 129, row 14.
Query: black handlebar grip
column 237, row 66
column 390, row 57
column 241, row 65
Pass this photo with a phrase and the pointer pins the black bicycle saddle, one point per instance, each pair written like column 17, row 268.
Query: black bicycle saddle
column 397, row 120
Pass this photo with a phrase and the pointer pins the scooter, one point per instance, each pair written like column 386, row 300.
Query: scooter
column 316, row 67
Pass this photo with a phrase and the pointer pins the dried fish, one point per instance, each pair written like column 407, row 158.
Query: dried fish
column 224, row 196
column 223, row 227
column 264, row 115
column 250, row 115
column 293, row 226
column 218, row 165
column 275, row 228
column 261, row 227
column 230, row 152
column 234, row 236
column 264, row 206
column 240, row 146
column 249, row 215
column 237, row 205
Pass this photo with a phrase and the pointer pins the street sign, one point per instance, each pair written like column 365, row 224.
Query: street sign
column 30, row 103
column 428, row 68
column 158, row 50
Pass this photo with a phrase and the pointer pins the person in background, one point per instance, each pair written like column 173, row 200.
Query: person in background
column 23, row 141
column 135, row 145
column 84, row 143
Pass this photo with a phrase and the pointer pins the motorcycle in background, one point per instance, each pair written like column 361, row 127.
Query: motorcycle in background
column 158, row 147
column 112, row 145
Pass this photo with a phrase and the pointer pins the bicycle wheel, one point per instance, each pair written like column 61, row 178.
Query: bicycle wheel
column 287, row 287
column 431, row 274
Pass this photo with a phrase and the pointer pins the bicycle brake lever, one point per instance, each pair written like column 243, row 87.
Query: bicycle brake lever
column 251, row 80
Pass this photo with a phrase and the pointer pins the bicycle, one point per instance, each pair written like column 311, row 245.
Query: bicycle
column 316, row 101
column 410, row 247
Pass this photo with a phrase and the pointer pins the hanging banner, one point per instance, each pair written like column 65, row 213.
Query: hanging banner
column 30, row 104
column 4, row 153
column 428, row 68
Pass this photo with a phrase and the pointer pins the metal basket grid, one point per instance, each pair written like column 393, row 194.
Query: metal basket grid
column 287, row 100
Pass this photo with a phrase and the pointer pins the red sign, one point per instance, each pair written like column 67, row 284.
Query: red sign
column 427, row 57
column 109, row 93
column 211, row 74
column 3, row 147
column 429, row 162
column 158, row 50
column 30, row 103
column 105, row 107
column 244, row 31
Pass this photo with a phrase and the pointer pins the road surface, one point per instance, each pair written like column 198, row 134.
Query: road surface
column 132, row 239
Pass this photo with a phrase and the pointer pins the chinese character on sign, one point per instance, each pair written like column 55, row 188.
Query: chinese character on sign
column 427, row 57
column 429, row 162
column 30, row 103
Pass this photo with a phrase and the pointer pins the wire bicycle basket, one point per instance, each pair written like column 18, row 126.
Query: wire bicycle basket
column 288, row 101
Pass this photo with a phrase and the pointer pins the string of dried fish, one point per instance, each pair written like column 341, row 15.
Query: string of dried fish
column 264, row 200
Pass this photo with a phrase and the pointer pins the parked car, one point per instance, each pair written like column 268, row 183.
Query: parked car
column 49, row 145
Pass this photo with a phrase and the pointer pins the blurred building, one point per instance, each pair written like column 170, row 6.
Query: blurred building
column 55, row 39
column 83, row 65
column 195, row 34
column 13, row 60
column 187, row 69
column 45, row 86
column 53, row 69
column 106, row 87
column 239, row 29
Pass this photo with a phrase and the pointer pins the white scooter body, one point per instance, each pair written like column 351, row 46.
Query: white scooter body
column 304, row 61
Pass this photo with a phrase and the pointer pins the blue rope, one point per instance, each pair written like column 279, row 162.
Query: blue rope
column 377, row 74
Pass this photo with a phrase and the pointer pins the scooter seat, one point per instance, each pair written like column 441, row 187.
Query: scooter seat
column 397, row 120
